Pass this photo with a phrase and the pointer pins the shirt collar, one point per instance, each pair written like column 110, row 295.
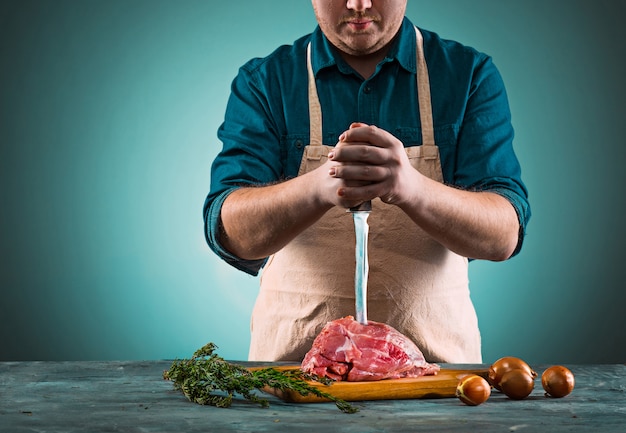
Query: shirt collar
column 324, row 55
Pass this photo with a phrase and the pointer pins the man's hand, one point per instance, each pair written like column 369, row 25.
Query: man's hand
column 372, row 163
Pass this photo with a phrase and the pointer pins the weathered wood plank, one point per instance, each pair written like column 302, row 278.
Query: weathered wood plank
column 132, row 397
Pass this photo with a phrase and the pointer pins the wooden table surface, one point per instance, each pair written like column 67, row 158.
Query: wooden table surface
column 99, row 397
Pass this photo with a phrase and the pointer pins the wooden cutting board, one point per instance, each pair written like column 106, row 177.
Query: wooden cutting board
column 441, row 385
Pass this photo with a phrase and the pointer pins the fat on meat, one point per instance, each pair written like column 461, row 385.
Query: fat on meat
column 347, row 350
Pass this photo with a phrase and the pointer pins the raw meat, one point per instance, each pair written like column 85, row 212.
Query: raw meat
column 348, row 350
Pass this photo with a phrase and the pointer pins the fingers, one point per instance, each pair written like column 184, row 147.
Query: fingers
column 365, row 144
column 337, row 191
column 367, row 134
column 364, row 153
column 366, row 161
column 361, row 173
column 358, row 182
column 356, row 153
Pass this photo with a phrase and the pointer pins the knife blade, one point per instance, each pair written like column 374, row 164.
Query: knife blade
column 360, row 214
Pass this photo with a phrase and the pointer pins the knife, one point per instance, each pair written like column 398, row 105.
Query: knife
column 360, row 214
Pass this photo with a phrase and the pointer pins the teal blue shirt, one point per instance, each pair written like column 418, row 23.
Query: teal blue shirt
column 266, row 124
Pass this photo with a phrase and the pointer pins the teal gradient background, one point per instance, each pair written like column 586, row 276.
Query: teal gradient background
column 108, row 119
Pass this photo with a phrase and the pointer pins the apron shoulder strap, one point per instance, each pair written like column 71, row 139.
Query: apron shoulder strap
column 315, row 109
column 423, row 94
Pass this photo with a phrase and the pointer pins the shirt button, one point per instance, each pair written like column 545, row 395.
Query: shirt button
column 298, row 144
column 367, row 90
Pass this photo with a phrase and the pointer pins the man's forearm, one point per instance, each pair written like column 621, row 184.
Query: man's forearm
column 259, row 221
column 479, row 225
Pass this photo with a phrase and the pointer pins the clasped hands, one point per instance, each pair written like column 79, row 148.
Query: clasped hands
column 366, row 163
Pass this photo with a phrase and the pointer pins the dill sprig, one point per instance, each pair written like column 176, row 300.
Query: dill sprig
column 205, row 373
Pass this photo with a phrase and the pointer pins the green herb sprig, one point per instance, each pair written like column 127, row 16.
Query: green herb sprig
column 205, row 373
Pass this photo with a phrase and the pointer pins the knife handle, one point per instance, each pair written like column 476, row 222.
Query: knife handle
column 366, row 206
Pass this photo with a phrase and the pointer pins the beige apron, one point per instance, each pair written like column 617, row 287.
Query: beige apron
column 415, row 284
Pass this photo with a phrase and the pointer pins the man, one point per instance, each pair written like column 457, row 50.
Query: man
column 367, row 107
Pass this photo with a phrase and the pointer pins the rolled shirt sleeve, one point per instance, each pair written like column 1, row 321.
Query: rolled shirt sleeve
column 485, row 158
column 250, row 155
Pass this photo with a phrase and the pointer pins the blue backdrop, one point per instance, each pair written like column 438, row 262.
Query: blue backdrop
column 108, row 119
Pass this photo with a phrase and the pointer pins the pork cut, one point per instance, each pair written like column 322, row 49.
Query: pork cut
column 348, row 350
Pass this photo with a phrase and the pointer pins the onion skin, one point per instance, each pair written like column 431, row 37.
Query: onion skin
column 557, row 381
column 517, row 384
column 503, row 365
column 473, row 390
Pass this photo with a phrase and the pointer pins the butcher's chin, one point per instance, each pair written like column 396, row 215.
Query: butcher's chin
column 361, row 44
